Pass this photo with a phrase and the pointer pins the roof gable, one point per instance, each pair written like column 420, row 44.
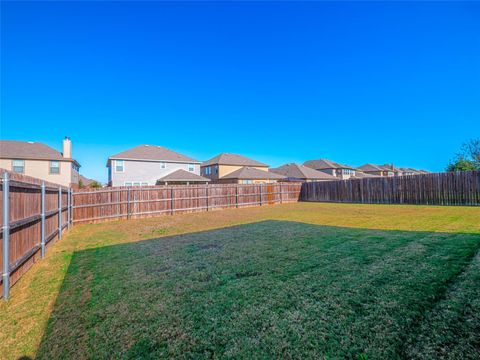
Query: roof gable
column 302, row 172
column 12, row 149
column 183, row 175
column 233, row 159
column 325, row 164
column 250, row 173
column 152, row 153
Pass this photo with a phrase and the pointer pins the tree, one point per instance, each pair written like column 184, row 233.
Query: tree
column 468, row 158
column 95, row 185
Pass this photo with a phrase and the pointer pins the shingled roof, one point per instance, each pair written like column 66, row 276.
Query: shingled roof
column 296, row 171
column 250, row 173
column 325, row 164
column 152, row 153
column 183, row 175
column 371, row 167
column 12, row 149
column 232, row 159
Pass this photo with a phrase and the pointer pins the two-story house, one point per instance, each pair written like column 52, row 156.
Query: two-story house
column 40, row 161
column 233, row 168
column 146, row 165
column 330, row 167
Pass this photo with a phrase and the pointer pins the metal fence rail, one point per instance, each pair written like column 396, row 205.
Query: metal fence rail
column 34, row 213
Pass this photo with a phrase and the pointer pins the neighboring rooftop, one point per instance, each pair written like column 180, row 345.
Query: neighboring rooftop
column 12, row 149
column 183, row 175
column 325, row 164
column 370, row 167
column 233, row 159
column 250, row 173
column 296, row 171
column 152, row 153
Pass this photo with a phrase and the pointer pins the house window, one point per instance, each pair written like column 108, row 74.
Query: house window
column 208, row 170
column 18, row 166
column 248, row 182
column 136, row 184
column 144, row 184
column 128, row 184
column 191, row 167
column 163, row 165
column 119, row 166
column 54, row 167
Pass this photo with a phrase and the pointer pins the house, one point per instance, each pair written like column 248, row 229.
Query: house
column 378, row 170
column 146, row 165
column 250, row 175
column 330, row 167
column 40, row 161
column 224, row 164
column 296, row 172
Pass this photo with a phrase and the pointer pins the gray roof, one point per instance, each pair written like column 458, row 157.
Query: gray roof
column 370, row 167
column 152, row 153
column 183, row 175
column 296, row 171
column 249, row 173
column 232, row 159
column 12, row 149
column 361, row 175
column 323, row 164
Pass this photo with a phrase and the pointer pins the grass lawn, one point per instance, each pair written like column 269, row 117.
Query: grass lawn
column 306, row 280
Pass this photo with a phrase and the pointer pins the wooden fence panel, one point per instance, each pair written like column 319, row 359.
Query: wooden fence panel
column 452, row 188
column 134, row 202
column 25, row 221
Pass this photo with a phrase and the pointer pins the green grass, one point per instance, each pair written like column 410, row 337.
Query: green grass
column 328, row 281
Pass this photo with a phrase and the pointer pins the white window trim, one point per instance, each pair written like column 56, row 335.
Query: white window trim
column 115, row 166
column 192, row 167
column 23, row 166
column 50, row 167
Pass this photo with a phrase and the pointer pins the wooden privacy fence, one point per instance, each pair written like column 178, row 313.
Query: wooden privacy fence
column 33, row 214
column 452, row 188
column 132, row 202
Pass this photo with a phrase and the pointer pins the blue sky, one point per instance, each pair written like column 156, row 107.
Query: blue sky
column 280, row 82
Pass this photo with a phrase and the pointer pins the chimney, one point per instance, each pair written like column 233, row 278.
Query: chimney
column 67, row 148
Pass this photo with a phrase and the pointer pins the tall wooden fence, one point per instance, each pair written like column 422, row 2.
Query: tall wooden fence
column 33, row 215
column 133, row 202
column 452, row 188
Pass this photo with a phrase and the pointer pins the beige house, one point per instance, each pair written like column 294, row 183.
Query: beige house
column 221, row 166
column 341, row 171
column 41, row 161
column 377, row 170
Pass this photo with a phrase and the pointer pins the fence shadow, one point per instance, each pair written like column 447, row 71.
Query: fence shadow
column 268, row 289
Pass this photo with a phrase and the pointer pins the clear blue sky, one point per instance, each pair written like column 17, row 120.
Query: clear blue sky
column 280, row 82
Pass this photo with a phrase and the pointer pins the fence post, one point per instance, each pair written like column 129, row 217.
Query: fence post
column 236, row 195
column 68, row 208
column 261, row 194
column 71, row 206
column 42, row 215
column 171, row 201
column 6, row 236
column 128, row 203
column 281, row 193
column 206, row 190
column 59, row 213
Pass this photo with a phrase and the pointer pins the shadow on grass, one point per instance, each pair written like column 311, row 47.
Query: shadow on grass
column 272, row 289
